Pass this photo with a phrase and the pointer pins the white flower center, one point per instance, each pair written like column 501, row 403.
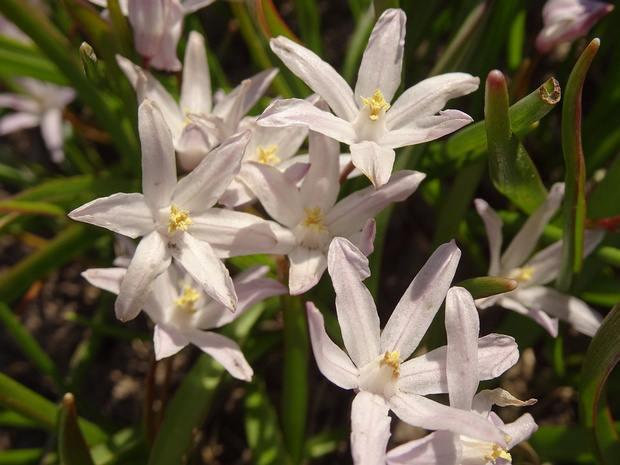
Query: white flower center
column 380, row 376
column 522, row 275
column 476, row 452
column 311, row 232
column 179, row 219
column 370, row 122
column 267, row 156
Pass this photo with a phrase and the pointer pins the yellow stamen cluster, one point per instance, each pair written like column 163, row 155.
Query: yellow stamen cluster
column 499, row 452
column 376, row 103
column 190, row 295
column 314, row 219
column 187, row 118
column 393, row 360
column 523, row 274
column 267, row 156
column 179, row 219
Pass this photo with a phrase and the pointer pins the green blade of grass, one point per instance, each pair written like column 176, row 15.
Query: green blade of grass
column 72, row 446
column 262, row 428
column 601, row 357
column 574, row 208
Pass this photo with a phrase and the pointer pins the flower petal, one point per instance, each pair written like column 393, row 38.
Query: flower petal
column 420, row 302
column 462, row 328
column 233, row 233
column 307, row 267
column 568, row 308
column 108, row 279
column 168, row 340
column 546, row 263
column 199, row 259
column 332, row 361
column 277, row 193
column 154, row 91
column 440, row 447
column 485, row 400
column 357, row 314
column 243, row 97
column 200, row 189
column 125, row 214
column 520, row 429
column 382, row 62
column 350, row 214
column 196, row 86
column 370, row 428
column 425, row 129
column 152, row 258
column 297, row 112
column 320, row 76
column 224, row 350
column 375, row 161
column 512, row 302
column 426, row 374
column 493, row 225
column 159, row 172
column 429, row 96
column 425, row 413
column 523, row 244
column 320, row 186
column 17, row 121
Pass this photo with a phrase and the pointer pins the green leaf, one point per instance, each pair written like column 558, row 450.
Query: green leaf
column 262, row 428
column 601, row 357
column 32, row 208
column 470, row 143
column 43, row 412
column 295, row 375
column 512, row 171
column 72, row 447
column 59, row 50
column 20, row 456
column 67, row 243
column 29, row 346
column 19, row 59
column 574, row 208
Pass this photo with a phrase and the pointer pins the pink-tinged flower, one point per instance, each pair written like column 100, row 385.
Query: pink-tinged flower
column 182, row 313
column 157, row 27
column 375, row 362
column 198, row 124
column 531, row 297
column 462, row 364
column 177, row 219
column 42, row 105
column 364, row 119
column 311, row 211
column 269, row 146
column 567, row 20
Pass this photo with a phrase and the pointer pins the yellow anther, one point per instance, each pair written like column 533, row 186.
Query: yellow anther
column 523, row 274
column 314, row 219
column 500, row 452
column 267, row 156
column 190, row 295
column 376, row 104
column 393, row 360
column 187, row 118
column 179, row 219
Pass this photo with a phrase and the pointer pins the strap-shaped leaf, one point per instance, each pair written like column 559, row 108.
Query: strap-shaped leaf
column 512, row 171
column 601, row 357
column 72, row 447
column 574, row 209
